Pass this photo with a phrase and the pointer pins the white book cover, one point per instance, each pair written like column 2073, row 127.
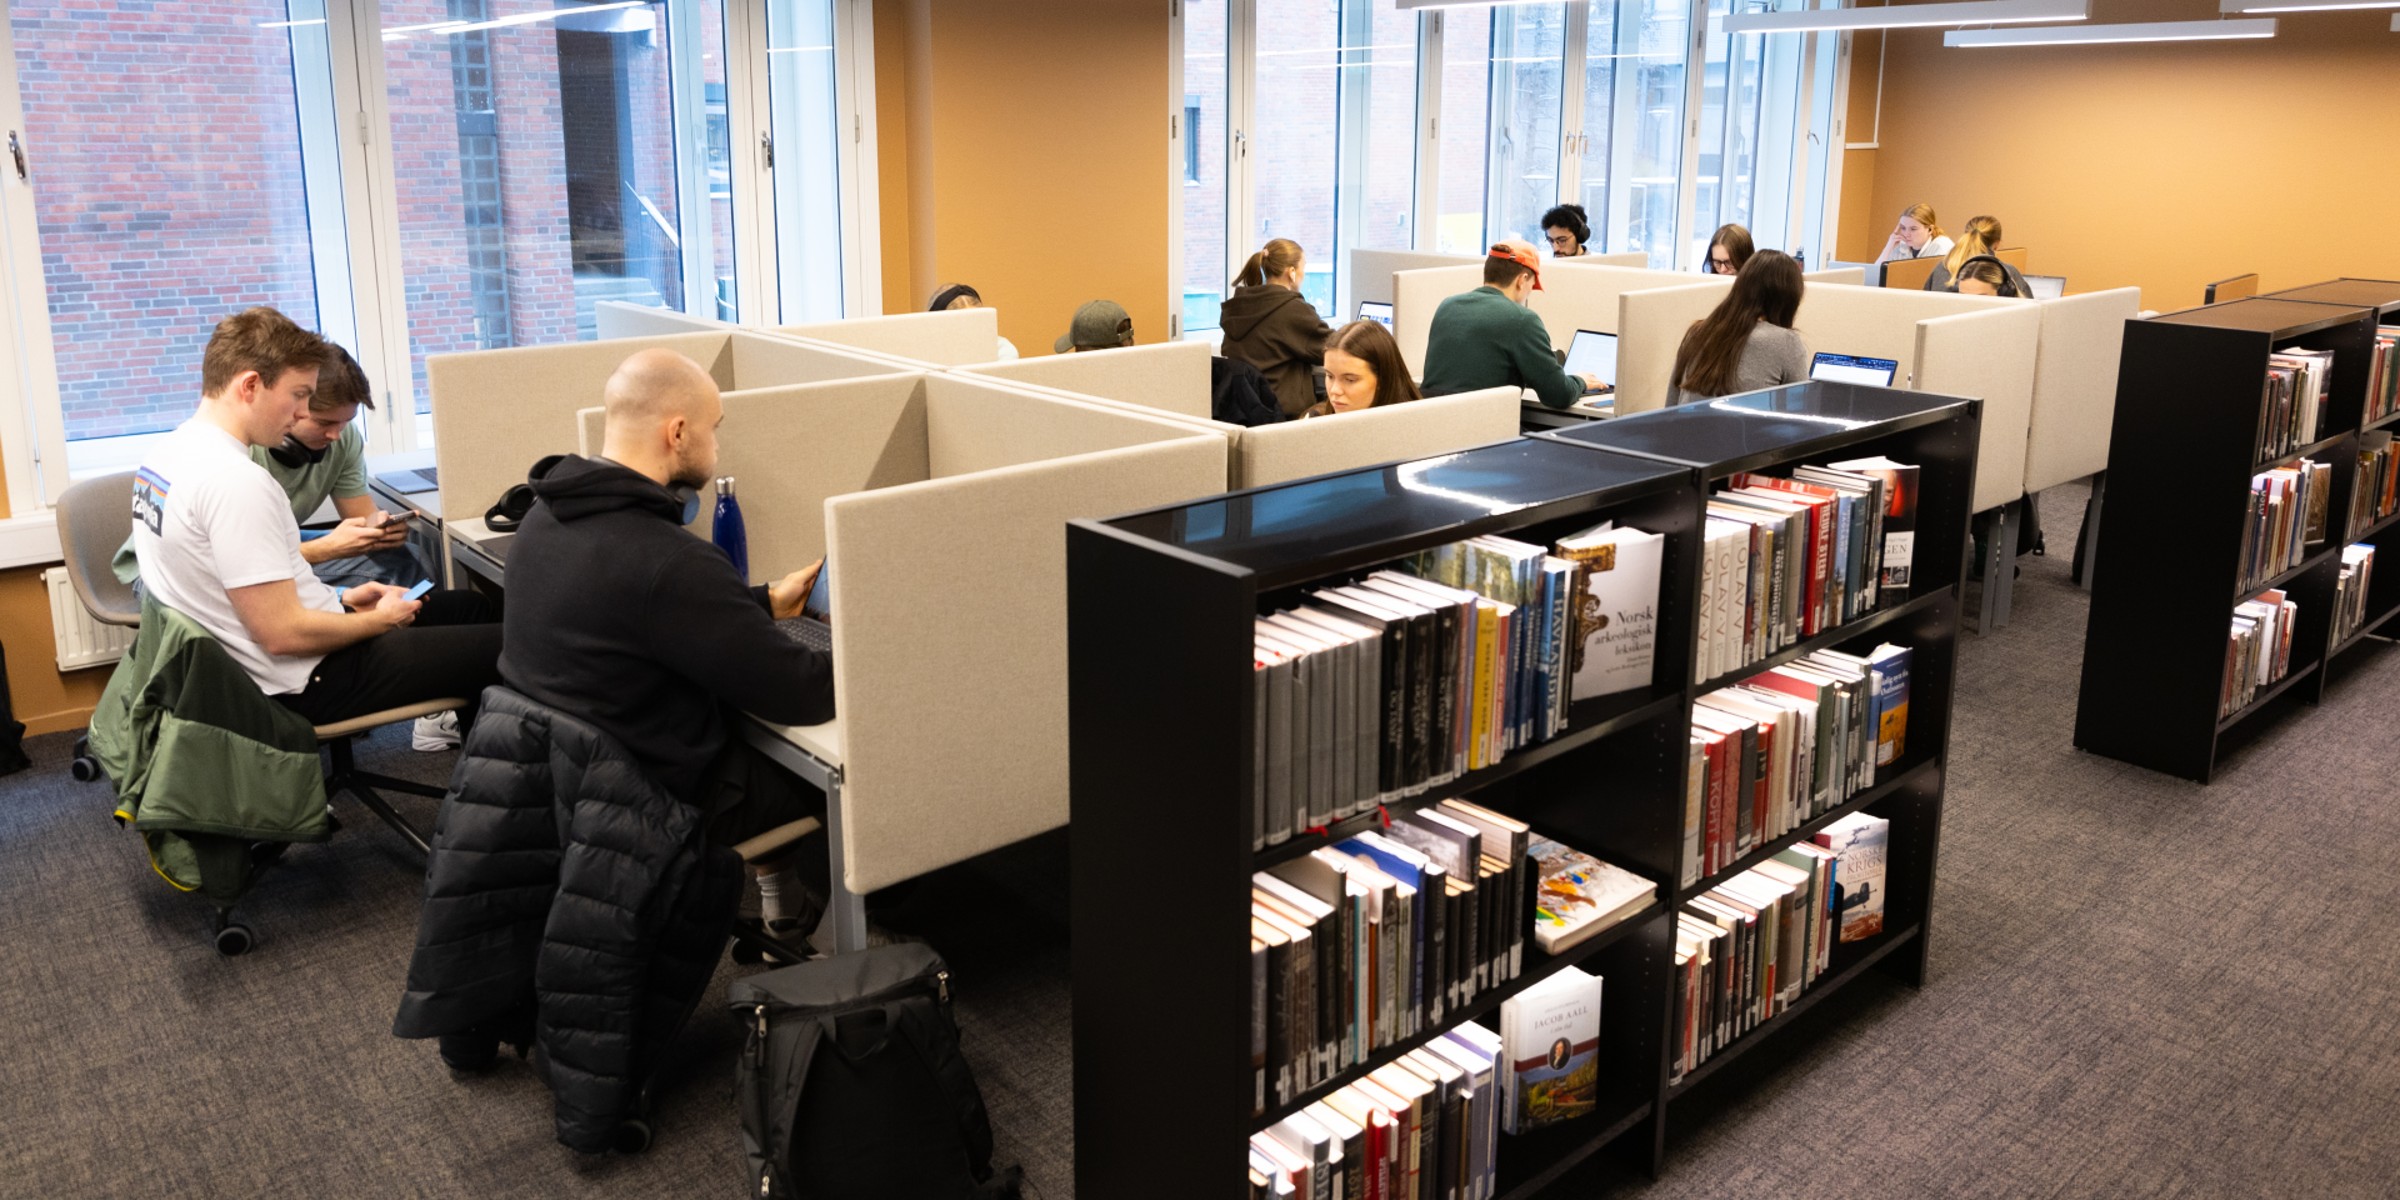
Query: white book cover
column 1551, row 1056
column 1616, row 618
column 1862, row 846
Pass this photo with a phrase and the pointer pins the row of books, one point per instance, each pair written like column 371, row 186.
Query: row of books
column 2376, row 493
column 1405, row 680
column 1786, row 746
column 1787, row 558
column 2350, row 591
column 2285, row 515
column 2258, row 652
column 1424, row 1127
column 2383, row 377
column 2294, row 404
column 1750, row 947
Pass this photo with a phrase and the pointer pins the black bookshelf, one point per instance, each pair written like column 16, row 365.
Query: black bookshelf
column 2181, row 457
column 1160, row 610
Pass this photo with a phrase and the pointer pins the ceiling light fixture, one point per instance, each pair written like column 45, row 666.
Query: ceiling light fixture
column 2289, row 6
column 2090, row 35
column 1905, row 16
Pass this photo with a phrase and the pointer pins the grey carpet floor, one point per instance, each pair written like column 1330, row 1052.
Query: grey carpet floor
column 2139, row 988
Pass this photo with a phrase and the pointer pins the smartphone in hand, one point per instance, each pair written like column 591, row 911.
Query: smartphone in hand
column 418, row 592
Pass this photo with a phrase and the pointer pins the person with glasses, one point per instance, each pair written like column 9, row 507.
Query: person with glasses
column 1487, row 338
column 1729, row 249
column 1569, row 229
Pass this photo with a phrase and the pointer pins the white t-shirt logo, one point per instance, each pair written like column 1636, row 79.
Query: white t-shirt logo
column 150, row 499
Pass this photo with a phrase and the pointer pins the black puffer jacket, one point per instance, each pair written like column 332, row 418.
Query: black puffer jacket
column 567, row 887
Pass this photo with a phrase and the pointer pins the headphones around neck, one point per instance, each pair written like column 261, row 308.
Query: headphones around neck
column 295, row 453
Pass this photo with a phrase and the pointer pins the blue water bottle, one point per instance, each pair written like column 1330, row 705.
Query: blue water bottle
column 728, row 533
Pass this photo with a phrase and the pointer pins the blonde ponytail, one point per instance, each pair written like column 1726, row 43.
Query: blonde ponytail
column 1981, row 236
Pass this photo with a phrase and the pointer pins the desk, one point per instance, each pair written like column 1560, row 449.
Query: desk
column 425, row 507
column 1535, row 415
column 812, row 752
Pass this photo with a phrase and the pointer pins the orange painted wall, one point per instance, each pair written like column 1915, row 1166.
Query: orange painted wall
column 45, row 700
column 2161, row 166
column 1023, row 150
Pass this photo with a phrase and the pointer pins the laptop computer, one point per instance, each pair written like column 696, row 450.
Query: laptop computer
column 411, row 482
column 1595, row 354
column 1376, row 311
column 1850, row 368
column 2047, row 287
column 809, row 628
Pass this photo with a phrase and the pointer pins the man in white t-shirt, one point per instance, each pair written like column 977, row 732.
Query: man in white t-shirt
column 216, row 541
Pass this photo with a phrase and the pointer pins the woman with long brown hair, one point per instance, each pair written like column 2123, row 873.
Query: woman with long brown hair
column 1271, row 326
column 1747, row 343
column 1363, row 369
column 1729, row 250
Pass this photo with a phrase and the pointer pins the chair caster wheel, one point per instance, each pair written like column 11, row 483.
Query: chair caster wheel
column 235, row 940
column 632, row 1137
column 85, row 769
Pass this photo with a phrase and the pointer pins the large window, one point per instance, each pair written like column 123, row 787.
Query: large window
column 1528, row 53
column 1209, row 150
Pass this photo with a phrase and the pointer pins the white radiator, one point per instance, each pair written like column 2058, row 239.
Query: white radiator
column 82, row 641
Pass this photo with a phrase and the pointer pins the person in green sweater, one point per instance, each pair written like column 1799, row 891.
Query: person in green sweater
column 1487, row 338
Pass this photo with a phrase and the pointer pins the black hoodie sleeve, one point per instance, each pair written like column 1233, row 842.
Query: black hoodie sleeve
column 720, row 635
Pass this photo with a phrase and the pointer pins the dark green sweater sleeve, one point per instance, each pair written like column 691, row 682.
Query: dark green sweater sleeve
column 1528, row 349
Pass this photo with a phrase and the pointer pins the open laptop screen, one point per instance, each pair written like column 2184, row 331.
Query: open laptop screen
column 1593, row 354
column 2047, row 287
column 1376, row 311
column 1849, row 368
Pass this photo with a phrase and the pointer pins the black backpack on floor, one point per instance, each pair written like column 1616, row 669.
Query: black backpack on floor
column 852, row 1087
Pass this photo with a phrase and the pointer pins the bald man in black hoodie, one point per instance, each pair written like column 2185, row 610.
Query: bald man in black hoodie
column 618, row 616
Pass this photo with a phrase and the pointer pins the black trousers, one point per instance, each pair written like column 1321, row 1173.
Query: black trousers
column 452, row 649
column 747, row 795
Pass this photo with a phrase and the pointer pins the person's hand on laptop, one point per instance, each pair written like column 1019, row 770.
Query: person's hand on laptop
column 1592, row 385
column 785, row 596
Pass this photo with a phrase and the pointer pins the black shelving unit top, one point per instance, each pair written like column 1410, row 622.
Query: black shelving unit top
column 2278, row 319
column 1756, row 429
column 2382, row 295
column 1312, row 528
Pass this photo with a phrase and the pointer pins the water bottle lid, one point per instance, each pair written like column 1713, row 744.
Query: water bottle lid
column 724, row 485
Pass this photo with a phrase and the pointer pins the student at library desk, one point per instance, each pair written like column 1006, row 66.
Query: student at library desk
column 1729, row 250
column 1487, row 338
column 1363, row 369
column 958, row 295
column 1271, row 326
column 1569, row 229
column 620, row 618
column 1916, row 236
column 1979, row 240
column 1748, row 342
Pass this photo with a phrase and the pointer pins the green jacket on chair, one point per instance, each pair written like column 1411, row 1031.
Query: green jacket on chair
column 204, row 763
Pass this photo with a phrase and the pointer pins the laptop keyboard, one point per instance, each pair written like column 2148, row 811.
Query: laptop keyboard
column 809, row 633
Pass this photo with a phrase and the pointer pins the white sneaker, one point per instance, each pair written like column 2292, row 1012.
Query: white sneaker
column 437, row 732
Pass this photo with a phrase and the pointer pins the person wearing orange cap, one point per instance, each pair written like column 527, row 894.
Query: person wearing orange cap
column 1487, row 338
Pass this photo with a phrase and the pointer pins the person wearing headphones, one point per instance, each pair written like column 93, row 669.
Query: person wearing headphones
column 1979, row 240
column 1729, row 250
column 1984, row 275
column 1569, row 229
column 959, row 295
column 1487, row 338
column 1748, row 342
column 1916, row 236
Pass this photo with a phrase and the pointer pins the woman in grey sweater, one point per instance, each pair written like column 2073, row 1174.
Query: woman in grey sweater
column 1748, row 342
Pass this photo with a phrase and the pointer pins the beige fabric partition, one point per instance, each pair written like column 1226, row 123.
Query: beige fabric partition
column 1170, row 376
column 1988, row 355
column 2075, row 385
column 1630, row 258
column 1415, row 296
column 1852, row 276
column 1371, row 271
column 1651, row 325
column 1586, row 297
column 954, row 338
column 1437, row 425
column 950, row 644
column 619, row 319
column 496, row 411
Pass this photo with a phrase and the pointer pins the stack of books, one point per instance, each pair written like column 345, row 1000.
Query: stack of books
column 1786, row 746
column 2286, row 515
column 2293, row 408
column 1407, row 679
column 2350, row 593
column 2376, row 494
column 2258, row 651
column 2383, row 381
column 1788, row 558
column 1424, row 1126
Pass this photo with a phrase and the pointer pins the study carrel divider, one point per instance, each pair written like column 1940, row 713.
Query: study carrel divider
column 1160, row 611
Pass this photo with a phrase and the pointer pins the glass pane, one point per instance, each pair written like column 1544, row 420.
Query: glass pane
column 1528, row 49
column 1380, row 74
column 1647, row 127
column 1465, row 131
column 1296, row 134
column 807, row 131
column 1602, row 60
column 541, row 153
column 1204, row 185
column 224, row 193
column 718, row 163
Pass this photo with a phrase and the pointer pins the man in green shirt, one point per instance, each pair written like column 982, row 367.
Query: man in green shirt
column 1487, row 338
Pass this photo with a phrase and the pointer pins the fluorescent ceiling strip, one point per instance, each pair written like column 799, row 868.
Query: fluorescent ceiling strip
column 1408, row 5
column 1905, row 16
column 2085, row 35
column 2284, row 6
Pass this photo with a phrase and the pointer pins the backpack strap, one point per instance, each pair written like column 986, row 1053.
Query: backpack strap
column 929, row 1031
column 767, row 1127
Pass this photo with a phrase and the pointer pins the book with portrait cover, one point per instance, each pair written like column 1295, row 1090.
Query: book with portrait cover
column 1550, row 1056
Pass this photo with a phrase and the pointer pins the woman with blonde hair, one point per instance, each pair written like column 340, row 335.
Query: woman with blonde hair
column 1363, row 369
column 1980, row 239
column 1917, row 235
column 1271, row 326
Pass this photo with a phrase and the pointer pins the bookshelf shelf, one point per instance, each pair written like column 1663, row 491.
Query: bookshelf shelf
column 2380, row 423
column 1160, row 611
column 2365, row 630
column 2181, row 457
column 2310, row 450
column 1833, row 981
column 2370, row 531
column 1864, row 800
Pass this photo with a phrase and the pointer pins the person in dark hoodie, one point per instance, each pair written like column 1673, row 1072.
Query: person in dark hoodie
column 1271, row 326
column 619, row 617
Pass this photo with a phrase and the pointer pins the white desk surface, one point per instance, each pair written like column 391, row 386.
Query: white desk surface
column 824, row 742
column 470, row 531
